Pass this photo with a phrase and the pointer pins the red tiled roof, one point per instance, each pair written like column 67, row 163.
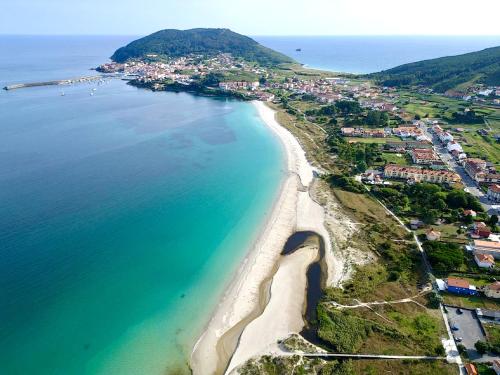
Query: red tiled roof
column 494, row 286
column 495, row 188
column 485, row 258
column 458, row 283
column 471, row 369
column 487, row 244
column 428, row 172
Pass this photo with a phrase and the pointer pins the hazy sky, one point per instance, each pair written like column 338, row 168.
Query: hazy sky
column 252, row 17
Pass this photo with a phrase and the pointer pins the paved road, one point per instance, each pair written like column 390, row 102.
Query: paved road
column 470, row 185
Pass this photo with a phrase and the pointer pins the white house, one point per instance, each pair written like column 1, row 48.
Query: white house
column 484, row 260
column 445, row 137
column 494, row 192
column 470, row 213
column 454, row 146
column 433, row 235
column 496, row 366
column 492, row 290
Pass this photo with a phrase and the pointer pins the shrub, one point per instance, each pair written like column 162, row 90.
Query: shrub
column 439, row 350
column 434, row 300
column 444, row 256
column 343, row 332
column 482, row 347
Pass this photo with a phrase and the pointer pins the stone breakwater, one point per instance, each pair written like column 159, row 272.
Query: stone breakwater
column 54, row 83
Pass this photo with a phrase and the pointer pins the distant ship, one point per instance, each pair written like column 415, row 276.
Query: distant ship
column 298, row 49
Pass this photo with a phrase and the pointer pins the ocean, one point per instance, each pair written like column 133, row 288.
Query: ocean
column 123, row 214
column 368, row 54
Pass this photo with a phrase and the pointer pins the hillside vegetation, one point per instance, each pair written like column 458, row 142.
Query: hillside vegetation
column 178, row 43
column 446, row 73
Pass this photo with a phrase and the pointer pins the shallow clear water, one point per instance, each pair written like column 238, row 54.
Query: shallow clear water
column 122, row 216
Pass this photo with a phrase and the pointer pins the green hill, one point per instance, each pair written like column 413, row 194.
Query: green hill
column 446, row 73
column 177, row 43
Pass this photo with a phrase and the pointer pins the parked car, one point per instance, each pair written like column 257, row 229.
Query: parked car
column 458, row 339
column 454, row 327
column 459, row 311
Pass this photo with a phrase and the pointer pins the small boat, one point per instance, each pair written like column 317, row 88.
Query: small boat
column 91, row 94
column 62, row 93
column 298, row 49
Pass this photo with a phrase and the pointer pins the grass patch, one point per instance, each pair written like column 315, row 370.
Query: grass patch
column 371, row 140
column 471, row 302
column 373, row 367
column 404, row 329
column 367, row 210
column 493, row 335
column 393, row 158
column 481, row 146
column 484, row 369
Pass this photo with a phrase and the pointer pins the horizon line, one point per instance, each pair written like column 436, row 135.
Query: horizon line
column 280, row 35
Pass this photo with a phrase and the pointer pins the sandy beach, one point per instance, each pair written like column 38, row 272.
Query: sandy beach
column 266, row 283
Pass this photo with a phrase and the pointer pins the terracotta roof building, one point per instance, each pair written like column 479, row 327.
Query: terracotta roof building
column 419, row 175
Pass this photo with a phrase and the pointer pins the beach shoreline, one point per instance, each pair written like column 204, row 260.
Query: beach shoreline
column 226, row 340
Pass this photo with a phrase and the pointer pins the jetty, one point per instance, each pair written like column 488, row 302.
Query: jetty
column 54, row 83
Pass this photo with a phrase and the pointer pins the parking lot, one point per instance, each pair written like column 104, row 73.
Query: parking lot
column 469, row 329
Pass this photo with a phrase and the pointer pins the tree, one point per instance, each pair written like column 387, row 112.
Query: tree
column 457, row 199
column 493, row 220
column 212, row 79
column 462, row 349
column 328, row 110
column 377, row 118
column 430, row 216
column 482, row 347
column 468, row 219
column 444, row 256
column 439, row 350
column 434, row 299
column 347, row 107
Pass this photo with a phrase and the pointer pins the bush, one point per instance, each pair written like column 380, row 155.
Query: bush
column 345, row 333
column 462, row 350
column 444, row 256
column 482, row 347
column 439, row 350
column 346, row 183
column 434, row 299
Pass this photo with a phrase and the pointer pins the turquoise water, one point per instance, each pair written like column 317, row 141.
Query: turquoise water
column 122, row 216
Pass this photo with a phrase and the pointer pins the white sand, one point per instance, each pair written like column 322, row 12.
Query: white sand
column 283, row 314
column 294, row 210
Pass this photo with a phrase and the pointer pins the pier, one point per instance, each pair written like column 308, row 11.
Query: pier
column 54, row 83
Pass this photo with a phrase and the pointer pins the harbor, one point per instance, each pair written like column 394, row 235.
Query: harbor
column 57, row 82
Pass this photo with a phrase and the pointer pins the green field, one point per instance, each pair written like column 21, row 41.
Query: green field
column 393, row 158
column 471, row 302
column 371, row 140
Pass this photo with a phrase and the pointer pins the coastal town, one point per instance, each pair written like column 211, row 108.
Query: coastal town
column 250, row 187
column 391, row 145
